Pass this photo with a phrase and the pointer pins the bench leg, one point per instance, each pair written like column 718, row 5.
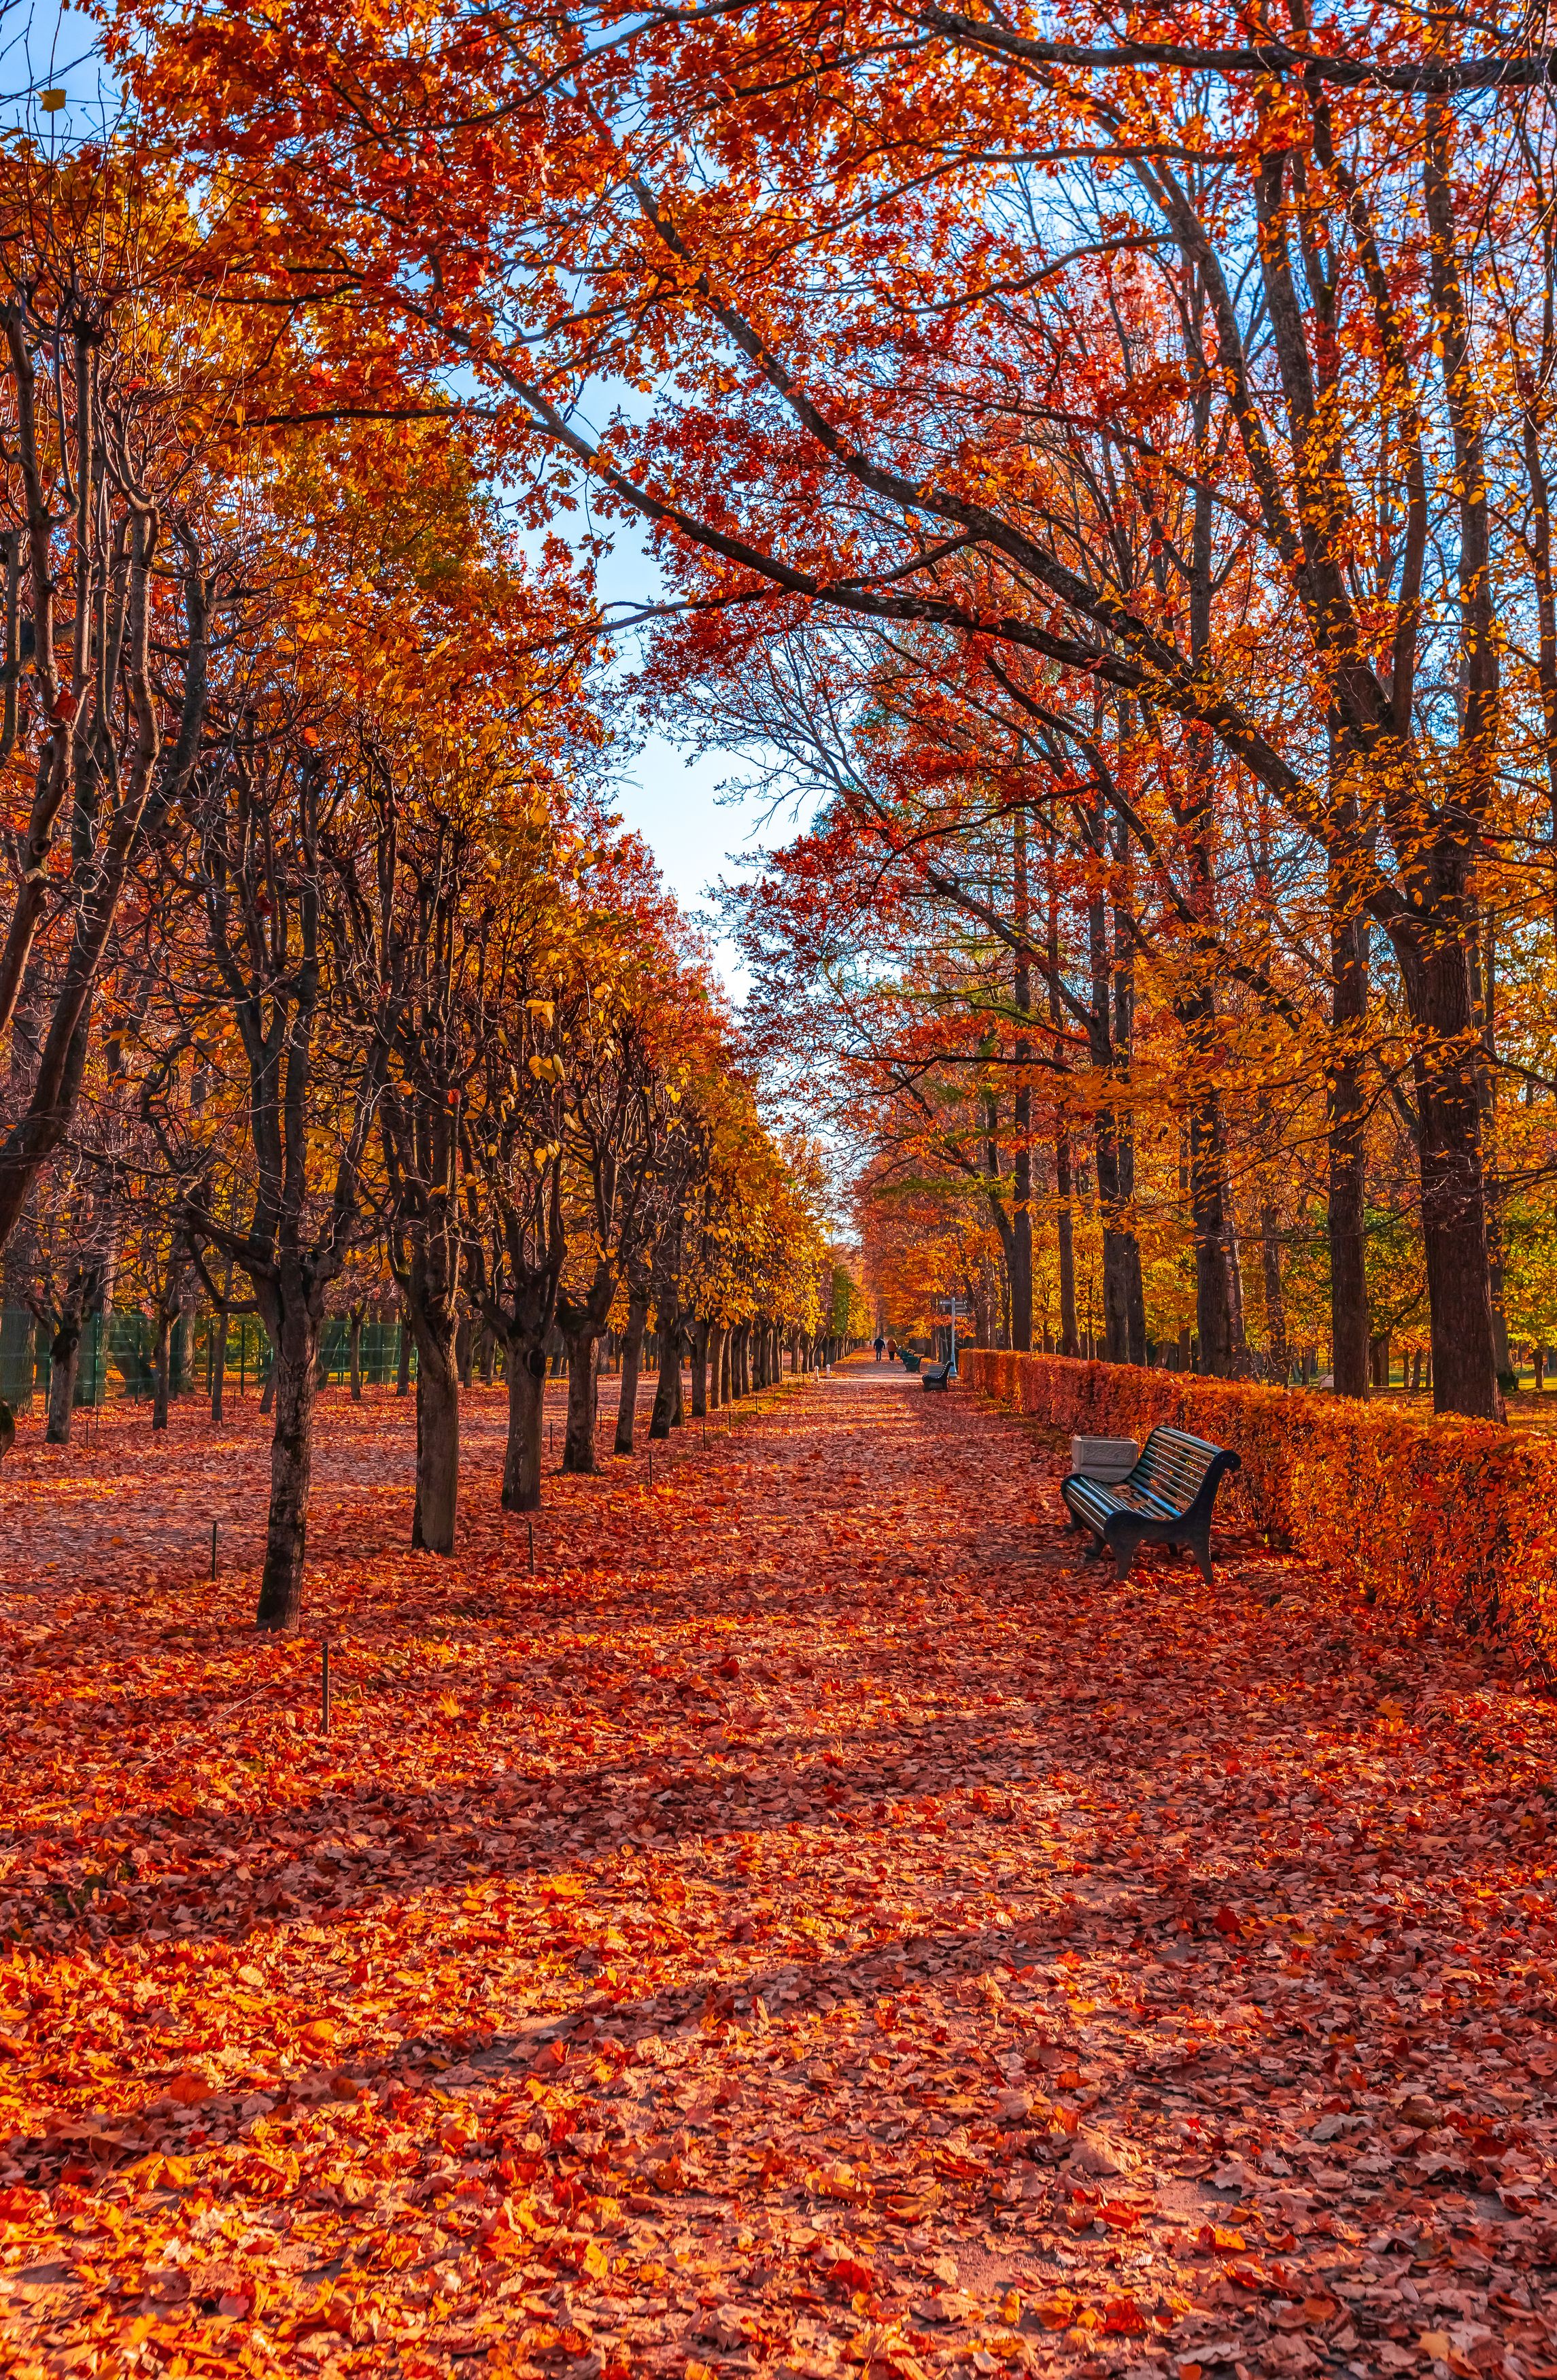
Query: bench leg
column 1124, row 1548
column 1202, row 1550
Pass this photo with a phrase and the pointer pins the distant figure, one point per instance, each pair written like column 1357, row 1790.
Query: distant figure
column 8, row 1429
column 892, row 1350
column 881, row 1346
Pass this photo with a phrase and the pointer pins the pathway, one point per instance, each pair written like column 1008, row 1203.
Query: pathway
column 814, row 1925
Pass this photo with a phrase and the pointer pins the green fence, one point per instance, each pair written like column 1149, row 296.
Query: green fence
column 118, row 1357
column 18, row 1361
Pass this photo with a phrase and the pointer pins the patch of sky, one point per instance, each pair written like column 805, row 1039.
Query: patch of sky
column 52, row 87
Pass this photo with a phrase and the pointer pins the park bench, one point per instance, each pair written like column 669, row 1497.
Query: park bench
column 909, row 1362
column 1165, row 1500
column 934, row 1376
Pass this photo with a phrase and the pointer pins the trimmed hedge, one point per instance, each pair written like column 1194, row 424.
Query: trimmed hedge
column 1454, row 1520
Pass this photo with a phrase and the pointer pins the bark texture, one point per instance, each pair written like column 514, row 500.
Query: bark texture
column 632, row 1365
column 521, row 1458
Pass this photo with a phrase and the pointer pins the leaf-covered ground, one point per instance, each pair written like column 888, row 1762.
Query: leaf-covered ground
column 815, row 1925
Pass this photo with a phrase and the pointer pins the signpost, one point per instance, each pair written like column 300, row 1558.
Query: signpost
column 950, row 1308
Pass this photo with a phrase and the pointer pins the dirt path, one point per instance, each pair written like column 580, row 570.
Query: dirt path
column 815, row 1924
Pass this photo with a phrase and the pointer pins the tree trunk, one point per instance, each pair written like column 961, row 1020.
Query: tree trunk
column 354, row 1351
column 699, row 1371
column 487, row 1355
column 64, row 1363
column 1018, row 1256
column 1275, row 1295
column 1465, row 1375
column 716, row 1339
column 632, row 1363
column 292, row 1385
column 1218, row 1297
column 1124, row 1288
column 1064, row 1234
column 667, row 1387
column 267, row 1400
column 1503, row 1360
column 184, row 1341
column 525, row 1367
column 1123, row 1291
column 163, row 1364
column 21, row 1267
column 218, row 1362
column 1348, row 1116
column 403, row 1361
column 1481, row 954
column 437, row 1486
column 583, row 1396
column 465, row 1350
column 170, row 1309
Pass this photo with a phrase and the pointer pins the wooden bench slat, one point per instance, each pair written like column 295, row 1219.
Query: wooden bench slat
column 1167, row 1498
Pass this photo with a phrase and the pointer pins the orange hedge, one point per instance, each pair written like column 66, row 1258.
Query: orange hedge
column 1456, row 1520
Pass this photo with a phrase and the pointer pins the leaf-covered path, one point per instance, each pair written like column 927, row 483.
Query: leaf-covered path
column 814, row 1925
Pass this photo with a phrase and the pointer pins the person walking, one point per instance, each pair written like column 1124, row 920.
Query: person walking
column 881, row 1346
column 892, row 1350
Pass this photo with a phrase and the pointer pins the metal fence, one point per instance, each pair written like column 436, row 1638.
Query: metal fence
column 119, row 1355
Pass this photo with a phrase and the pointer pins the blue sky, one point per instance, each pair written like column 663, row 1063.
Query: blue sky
column 671, row 805
column 668, row 793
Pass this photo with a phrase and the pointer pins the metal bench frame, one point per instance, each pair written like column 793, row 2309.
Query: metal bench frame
column 1165, row 1500
column 934, row 1375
